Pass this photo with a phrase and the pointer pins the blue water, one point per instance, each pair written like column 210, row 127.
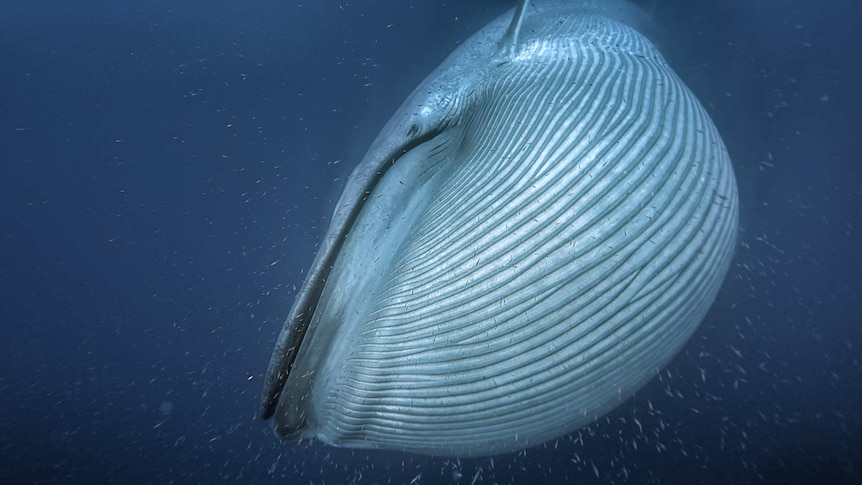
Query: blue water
column 168, row 168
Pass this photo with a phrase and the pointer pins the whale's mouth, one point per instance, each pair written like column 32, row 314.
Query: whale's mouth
column 305, row 306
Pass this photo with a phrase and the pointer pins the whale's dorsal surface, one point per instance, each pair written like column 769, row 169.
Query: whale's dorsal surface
column 537, row 230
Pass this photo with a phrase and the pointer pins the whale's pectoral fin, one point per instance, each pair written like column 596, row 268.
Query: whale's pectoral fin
column 509, row 42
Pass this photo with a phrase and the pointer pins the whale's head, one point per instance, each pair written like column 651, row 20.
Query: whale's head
column 534, row 234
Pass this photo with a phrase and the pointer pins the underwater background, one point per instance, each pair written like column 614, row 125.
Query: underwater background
column 169, row 167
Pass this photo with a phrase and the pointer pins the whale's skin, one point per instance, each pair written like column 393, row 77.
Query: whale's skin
column 532, row 237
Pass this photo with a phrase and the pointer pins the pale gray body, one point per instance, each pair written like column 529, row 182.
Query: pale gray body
column 533, row 236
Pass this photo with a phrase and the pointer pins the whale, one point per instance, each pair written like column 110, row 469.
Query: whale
column 532, row 237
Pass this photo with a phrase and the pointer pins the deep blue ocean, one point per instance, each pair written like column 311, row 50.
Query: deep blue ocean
column 168, row 169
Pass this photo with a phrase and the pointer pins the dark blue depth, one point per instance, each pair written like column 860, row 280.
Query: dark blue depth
column 169, row 167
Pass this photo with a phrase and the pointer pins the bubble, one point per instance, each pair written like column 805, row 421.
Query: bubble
column 166, row 407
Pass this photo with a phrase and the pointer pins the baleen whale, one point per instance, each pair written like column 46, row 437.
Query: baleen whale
column 531, row 238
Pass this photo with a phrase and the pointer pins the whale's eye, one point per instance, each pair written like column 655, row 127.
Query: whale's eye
column 413, row 130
